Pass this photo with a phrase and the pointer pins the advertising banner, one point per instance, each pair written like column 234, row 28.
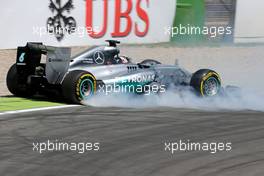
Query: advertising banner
column 80, row 22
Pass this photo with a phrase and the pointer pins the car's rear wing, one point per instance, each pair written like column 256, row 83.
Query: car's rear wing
column 57, row 60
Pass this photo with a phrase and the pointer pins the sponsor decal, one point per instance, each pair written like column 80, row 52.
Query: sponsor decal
column 60, row 24
column 120, row 14
column 99, row 57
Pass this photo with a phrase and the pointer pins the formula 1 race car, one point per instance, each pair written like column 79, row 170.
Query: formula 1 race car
column 99, row 69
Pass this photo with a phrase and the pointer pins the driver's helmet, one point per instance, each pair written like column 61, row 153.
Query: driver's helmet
column 124, row 59
column 121, row 59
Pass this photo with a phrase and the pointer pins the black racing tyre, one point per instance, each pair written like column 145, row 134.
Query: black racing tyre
column 14, row 86
column 206, row 83
column 150, row 62
column 78, row 86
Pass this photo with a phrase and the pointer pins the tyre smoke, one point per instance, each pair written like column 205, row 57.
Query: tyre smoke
column 236, row 100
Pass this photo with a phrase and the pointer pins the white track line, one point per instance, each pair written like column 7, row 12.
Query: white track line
column 37, row 109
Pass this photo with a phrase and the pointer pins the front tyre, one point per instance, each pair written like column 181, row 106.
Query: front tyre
column 78, row 86
column 206, row 83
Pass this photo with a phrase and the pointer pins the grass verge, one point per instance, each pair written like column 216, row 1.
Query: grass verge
column 15, row 103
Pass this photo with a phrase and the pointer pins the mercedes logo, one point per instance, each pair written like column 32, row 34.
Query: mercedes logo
column 99, row 57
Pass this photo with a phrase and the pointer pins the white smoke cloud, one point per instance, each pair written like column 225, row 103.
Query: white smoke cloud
column 240, row 100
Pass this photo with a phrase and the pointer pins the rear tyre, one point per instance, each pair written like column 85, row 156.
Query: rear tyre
column 78, row 86
column 15, row 86
column 206, row 83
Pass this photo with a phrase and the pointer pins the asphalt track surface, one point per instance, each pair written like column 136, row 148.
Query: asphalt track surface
column 132, row 142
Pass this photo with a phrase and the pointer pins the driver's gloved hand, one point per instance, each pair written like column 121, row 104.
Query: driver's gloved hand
column 117, row 60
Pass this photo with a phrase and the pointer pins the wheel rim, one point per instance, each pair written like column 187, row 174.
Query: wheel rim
column 86, row 88
column 211, row 86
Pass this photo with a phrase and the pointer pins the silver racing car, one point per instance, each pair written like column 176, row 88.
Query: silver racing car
column 99, row 69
